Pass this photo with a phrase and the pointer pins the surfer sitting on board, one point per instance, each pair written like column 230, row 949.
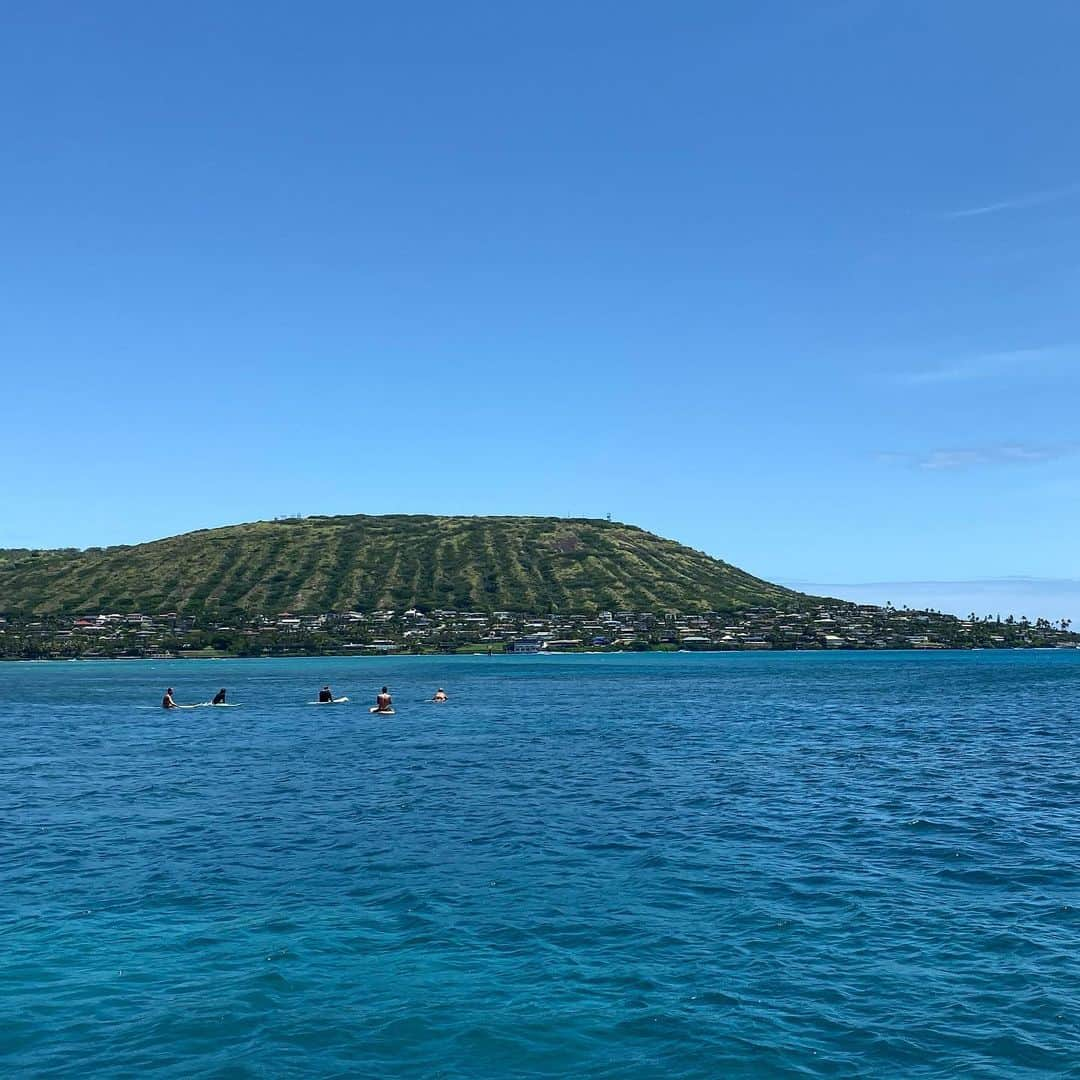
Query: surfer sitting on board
column 167, row 701
column 383, row 701
column 219, row 697
column 325, row 695
column 440, row 695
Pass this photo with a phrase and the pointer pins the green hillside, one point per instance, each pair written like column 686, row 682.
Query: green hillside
column 363, row 563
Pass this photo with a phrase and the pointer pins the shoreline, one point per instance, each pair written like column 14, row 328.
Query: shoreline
column 532, row 656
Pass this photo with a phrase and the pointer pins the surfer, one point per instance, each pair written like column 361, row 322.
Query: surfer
column 383, row 701
column 167, row 701
column 219, row 697
column 440, row 695
column 325, row 695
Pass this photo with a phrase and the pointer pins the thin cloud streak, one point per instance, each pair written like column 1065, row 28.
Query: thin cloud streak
column 1007, row 454
column 1046, row 360
column 945, row 459
column 1022, row 202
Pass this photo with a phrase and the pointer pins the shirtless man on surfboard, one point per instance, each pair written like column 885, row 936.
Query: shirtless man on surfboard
column 383, row 701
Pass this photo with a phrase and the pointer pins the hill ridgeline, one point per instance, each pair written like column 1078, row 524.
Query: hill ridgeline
column 321, row 564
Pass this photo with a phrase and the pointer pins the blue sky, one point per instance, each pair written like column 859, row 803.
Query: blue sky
column 794, row 283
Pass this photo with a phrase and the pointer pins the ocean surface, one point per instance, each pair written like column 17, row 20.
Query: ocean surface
column 718, row 865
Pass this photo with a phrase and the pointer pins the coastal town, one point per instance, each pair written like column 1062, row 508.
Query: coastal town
column 828, row 625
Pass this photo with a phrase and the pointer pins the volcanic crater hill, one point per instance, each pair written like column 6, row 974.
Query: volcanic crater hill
column 361, row 562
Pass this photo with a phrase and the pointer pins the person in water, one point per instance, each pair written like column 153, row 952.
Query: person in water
column 383, row 701
column 219, row 697
column 440, row 695
column 325, row 694
column 167, row 702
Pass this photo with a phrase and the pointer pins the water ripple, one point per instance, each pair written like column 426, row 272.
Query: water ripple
column 615, row 867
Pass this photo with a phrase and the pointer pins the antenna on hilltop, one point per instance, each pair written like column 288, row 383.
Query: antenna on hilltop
column 608, row 515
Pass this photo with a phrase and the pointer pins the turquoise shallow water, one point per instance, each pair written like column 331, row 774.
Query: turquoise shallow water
column 621, row 866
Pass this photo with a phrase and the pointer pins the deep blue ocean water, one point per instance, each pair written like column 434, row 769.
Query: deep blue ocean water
column 607, row 866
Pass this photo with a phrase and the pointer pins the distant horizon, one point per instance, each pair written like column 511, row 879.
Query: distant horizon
column 1034, row 598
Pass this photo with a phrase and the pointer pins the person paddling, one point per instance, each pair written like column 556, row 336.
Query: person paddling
column 383, row 701
column 167, row 702
column 325, row 695
column 440, row 695
column 219, row 697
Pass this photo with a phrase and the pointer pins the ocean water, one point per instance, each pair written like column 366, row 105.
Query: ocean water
column 608, row 866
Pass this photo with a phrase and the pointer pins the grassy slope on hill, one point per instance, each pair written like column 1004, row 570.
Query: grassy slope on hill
column 395, row 561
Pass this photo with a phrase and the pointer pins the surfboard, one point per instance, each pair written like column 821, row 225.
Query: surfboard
column 211, row 705
column 381, row 712
column 335, row 701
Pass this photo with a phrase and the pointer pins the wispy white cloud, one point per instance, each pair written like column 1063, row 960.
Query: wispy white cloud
column 1046, row 360
column 944, row 459
column 1021, row 202
column 1006, row 454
